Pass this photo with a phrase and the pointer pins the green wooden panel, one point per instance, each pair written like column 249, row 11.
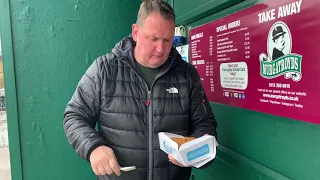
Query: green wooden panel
column 188, row 11
column 285, row 146
column 230, row 165
column 264, row 147
column 10, row 85
column 257, row 145
column 53, row 44
column 170, row 2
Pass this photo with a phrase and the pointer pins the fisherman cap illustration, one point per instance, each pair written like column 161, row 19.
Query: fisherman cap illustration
column 277, row 32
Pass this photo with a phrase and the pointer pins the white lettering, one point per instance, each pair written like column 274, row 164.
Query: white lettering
column 289, row 9
column 221, row 28
column 266, row 16
column 196, row 36
column 234, row 24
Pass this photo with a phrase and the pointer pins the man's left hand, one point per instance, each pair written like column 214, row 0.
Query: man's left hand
column 174, row 161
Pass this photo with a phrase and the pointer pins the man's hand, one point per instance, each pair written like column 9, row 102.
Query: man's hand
column 174, row 161
column 103, row 161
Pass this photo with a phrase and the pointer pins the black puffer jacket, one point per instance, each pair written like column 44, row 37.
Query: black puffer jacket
column 129, row 115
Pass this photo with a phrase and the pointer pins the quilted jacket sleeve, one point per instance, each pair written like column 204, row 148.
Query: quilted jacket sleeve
column 202, row 118
column 82, row 113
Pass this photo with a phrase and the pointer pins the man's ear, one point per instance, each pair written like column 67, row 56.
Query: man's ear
column 135, row 31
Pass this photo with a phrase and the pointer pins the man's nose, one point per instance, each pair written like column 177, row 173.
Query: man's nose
column 160, row 47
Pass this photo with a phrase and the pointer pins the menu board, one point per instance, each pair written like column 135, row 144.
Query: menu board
column 264, row 58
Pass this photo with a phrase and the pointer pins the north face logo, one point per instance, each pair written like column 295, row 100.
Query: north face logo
column 173, row 90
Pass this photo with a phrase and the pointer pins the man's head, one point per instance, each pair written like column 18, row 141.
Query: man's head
column 278, row 38
column 280, row 43
column 153, row 33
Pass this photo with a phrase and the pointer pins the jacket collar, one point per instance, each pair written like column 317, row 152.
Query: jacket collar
column 125, row 48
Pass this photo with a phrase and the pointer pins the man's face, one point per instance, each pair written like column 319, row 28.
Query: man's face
column 154, row 37
column 280, row 43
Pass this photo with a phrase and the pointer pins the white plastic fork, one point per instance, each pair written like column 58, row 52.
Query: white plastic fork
column 129, row 168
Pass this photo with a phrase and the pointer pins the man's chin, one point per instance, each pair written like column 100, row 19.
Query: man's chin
column 280, row 49
column 156, row 62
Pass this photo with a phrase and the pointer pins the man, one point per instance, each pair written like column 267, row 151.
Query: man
column 141, row 88
column 279, row 42
column 279, row 45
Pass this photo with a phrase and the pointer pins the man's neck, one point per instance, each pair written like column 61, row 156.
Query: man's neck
column 138, row 58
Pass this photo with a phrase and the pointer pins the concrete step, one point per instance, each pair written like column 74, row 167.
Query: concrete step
column 4, row 141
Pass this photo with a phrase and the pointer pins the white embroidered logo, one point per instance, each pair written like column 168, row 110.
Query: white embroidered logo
column 173, row 90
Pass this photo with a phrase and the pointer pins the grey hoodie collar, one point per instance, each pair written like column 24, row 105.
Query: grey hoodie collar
column 125, row 48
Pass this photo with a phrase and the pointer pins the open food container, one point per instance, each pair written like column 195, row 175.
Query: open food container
column 189, row 151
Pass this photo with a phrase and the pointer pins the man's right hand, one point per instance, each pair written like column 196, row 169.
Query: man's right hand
column 103, row 161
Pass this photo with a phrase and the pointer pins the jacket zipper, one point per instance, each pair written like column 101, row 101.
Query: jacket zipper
column 150, row 122
column 150, row 126
column 150, row 136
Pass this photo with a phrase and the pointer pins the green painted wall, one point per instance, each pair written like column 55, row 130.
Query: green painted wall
column 47, row 46
column 254, row 146
column 188, row 11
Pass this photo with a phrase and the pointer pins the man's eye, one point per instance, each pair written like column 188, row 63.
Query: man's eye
column 153, row 39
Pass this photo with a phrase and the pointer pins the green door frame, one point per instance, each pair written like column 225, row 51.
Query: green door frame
column 171, row 3
column 11, row 91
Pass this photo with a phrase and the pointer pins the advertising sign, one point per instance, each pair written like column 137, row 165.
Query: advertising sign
column 264, row 58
